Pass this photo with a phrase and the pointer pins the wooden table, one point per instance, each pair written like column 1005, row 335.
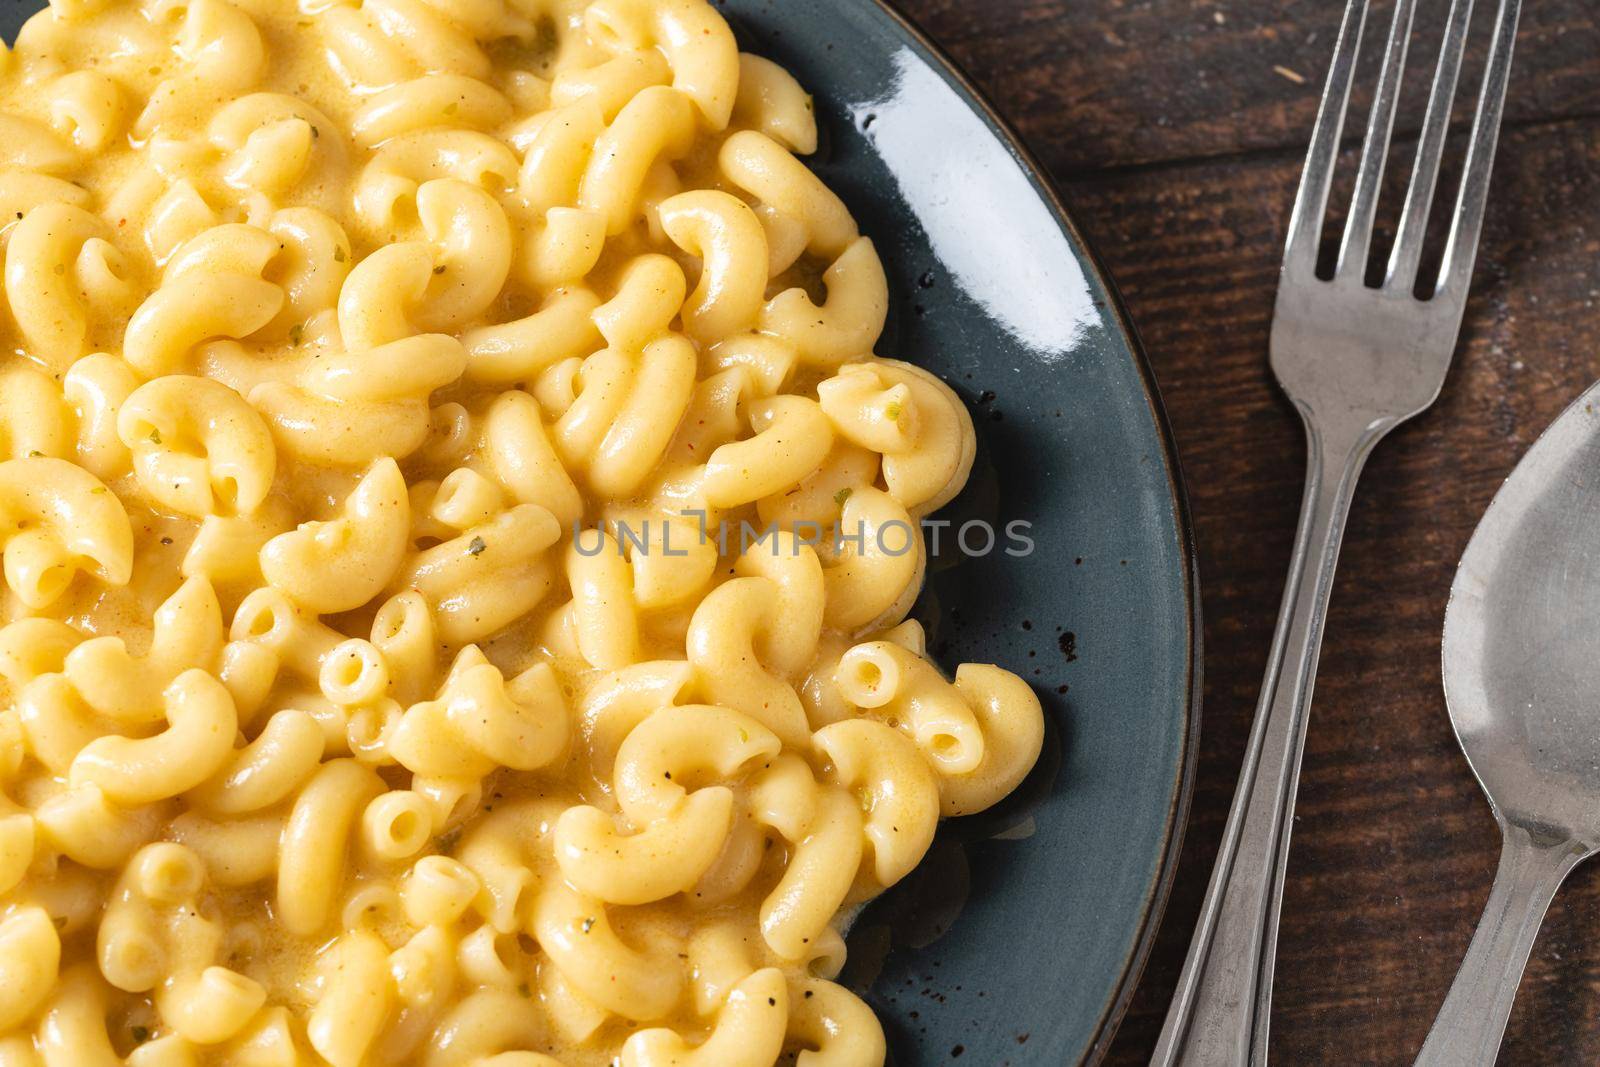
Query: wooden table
column 1176, row 130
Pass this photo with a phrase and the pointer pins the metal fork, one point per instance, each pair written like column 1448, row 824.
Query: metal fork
column 1356, row 361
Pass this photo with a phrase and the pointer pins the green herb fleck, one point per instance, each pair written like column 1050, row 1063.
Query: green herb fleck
column 297, row 333
column 98, row 490
column 893, row 411
column 588, row 924
column 842, row 495
column 447, row 840
column 476, row 546
column 338, row 255
column 33, row 453
column 439, row 269
column 155, row 436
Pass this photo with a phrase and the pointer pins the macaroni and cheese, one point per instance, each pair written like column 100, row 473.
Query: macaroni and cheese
column 380, row 686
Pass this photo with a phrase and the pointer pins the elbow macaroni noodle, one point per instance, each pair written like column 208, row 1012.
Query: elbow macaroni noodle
column 345, row 722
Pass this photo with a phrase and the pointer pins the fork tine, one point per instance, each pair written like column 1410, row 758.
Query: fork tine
column 1407, row 255
column 1461, row 250
column 1357, row 243
column 1311, row 202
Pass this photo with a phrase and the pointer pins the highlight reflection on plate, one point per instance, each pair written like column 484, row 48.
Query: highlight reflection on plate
column 975, row 196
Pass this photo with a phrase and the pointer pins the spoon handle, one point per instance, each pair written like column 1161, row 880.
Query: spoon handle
column 1469, row 1027
column 1220, row 1010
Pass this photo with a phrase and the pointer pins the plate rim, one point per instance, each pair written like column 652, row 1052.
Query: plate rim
column 1159, row 894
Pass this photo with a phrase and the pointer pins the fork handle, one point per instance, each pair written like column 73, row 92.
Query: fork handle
column 1472, row 1021
column 1220, row 1011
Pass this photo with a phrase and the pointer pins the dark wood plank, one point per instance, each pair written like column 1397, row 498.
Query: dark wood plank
column 1102, row 82
column 1394, row 846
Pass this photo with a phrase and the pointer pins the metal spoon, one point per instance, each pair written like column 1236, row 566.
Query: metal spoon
column 1522, row 680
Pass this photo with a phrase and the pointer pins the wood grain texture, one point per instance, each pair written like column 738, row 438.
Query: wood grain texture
column 1098, row 83
column 1178, row 146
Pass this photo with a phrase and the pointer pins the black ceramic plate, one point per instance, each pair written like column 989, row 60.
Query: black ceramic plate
column 1019, row 939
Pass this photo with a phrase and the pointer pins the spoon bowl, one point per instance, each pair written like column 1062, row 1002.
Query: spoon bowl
column 1522, row 636
column 1522, row 680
